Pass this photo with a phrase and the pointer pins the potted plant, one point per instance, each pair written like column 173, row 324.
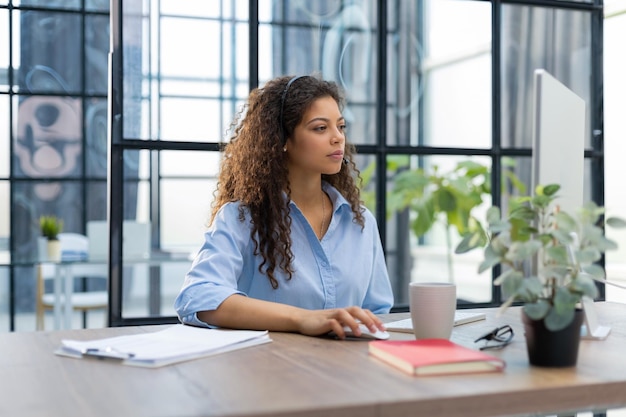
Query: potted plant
column 549, row 262
column 448, row 197
column 50, row 227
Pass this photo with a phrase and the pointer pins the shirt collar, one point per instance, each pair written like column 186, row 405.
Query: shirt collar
column 335, row 196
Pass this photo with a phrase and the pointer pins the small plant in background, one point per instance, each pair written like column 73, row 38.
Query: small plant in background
column 447, row 197
column 368, row 193
column 50, row 227
column 368, row 196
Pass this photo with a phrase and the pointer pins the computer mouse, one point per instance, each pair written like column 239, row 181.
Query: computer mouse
column 366, row 333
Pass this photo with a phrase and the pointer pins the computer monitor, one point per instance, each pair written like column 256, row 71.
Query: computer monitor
column 559, row 158
column 558, row 139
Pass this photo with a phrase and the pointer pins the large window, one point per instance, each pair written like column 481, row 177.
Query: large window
column 429, row 83
column 53, row 106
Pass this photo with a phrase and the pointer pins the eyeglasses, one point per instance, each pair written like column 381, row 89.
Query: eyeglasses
column 502, row 336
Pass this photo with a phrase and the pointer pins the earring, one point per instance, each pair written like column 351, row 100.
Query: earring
column 284, row 149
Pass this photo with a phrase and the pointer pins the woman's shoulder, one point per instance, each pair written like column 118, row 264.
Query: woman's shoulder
column 370, row 219
column 232, row 212
column 367, row 214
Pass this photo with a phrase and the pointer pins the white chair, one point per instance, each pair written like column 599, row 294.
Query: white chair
column 74, row 247
column 136, row 241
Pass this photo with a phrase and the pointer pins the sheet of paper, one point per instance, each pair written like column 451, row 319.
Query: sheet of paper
column 460, row 317
column 174, row 344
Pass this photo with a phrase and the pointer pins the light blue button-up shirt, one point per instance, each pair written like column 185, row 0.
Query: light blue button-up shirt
column 346, row 268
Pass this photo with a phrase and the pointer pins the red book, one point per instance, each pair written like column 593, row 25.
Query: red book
column 433, row 357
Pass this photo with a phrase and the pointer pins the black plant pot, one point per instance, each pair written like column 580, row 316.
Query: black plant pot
column 552, row 349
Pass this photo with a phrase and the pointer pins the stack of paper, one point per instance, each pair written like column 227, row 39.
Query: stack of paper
column 175, row 344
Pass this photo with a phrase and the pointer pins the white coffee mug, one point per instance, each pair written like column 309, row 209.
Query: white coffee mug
column 432, row 306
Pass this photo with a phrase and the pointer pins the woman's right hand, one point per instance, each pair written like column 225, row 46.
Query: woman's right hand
column 320, row 322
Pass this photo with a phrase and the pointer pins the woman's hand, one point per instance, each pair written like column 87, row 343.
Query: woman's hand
column 239, row 312
column 319, row 322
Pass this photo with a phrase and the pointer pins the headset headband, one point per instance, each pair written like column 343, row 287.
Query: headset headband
column 282, row 106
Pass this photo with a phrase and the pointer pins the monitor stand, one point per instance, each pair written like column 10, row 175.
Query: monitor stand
column 591, row 329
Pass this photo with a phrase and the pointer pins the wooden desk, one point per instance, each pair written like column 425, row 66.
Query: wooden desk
column 304, row 376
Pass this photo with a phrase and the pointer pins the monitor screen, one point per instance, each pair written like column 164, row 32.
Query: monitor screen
column 558, row 139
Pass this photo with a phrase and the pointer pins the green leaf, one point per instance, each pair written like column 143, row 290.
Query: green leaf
column 565, row 222
column 587, row 255
column 558, row 254
column 472, row 168
column 521, row 251
column 520, row 229
column 562, row 236
column 604, row 244
column 498, row 244
column 544, row 238
column 508, row 274
column 458, row 219
column 591, row 212
column 555, row 321
column 445, row 200
column 493, row 215
column 538, row 310
column 395, row 162
column 530, row 290
column 523, row 213
column 565, row 299
column 521, row 200
column 395, row 203
column 514, row 180
column 616, row 222
column 596, row 271
column 512, row 284
column 368, row 173
column 551, row 189
column 425, row 218
column 541, row 201
column 584, row 284
column 471, row 241
column 467, row 243
column 490, row 260
column 555, row 271
column 414, row 180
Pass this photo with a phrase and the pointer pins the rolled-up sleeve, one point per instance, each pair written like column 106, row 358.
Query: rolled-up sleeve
column 214, row 273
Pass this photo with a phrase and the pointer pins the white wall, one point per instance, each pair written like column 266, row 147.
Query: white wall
column 615, row 136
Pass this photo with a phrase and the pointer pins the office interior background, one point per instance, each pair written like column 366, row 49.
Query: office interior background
column 428, row 83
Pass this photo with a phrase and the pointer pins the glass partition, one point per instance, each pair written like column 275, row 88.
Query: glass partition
column 556, row 40
column 336, row 40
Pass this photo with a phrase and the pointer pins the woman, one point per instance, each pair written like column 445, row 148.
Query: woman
column 289, row 246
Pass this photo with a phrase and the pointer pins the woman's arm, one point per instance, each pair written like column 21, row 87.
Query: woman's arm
column 241, row 312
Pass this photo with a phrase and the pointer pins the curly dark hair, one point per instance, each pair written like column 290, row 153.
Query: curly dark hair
column 253, row 170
